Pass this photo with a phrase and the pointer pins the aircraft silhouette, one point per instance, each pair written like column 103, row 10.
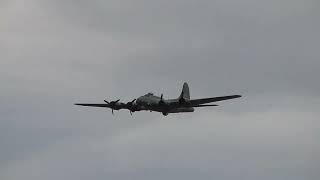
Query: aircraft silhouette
column 150, row 102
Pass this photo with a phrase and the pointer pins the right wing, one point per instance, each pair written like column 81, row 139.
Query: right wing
column 208, row 105
column 197, row 102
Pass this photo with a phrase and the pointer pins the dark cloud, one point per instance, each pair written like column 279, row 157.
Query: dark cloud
column 273, row 44
column 56, row 53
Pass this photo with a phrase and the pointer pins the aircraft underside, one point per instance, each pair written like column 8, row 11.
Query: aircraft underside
column 176, row 110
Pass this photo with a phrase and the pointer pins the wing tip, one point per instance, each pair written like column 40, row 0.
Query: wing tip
column 235, row 96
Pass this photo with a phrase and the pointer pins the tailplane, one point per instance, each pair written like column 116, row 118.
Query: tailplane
column 185, row 94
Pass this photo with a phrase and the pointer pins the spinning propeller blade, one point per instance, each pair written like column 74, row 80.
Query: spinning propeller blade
column 112, row 104
column 130, row 106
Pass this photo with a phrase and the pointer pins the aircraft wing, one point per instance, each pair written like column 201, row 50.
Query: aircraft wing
column 206, row 105
column 94, row 105
column 197, row 102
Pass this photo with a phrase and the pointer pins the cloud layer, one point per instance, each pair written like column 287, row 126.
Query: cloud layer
column 56, row 53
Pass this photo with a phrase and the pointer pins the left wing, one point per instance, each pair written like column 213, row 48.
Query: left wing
column 94, row 105
column 197, row 102
column 113, row 105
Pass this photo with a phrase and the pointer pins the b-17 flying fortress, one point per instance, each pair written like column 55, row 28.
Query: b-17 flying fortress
column 150, row 102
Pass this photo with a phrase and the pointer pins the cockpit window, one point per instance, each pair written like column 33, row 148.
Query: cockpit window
column 149, row 94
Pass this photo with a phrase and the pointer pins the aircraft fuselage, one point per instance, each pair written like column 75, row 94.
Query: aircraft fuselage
column 153, row 103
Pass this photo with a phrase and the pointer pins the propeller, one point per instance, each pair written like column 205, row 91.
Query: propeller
column 112, row 104
column 161, row 102
column 130, row 106
column 164, row 106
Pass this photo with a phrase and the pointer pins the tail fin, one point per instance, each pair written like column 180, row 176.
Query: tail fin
column 185, row 92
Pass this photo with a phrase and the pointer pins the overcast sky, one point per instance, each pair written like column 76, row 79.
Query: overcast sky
column 54, row 53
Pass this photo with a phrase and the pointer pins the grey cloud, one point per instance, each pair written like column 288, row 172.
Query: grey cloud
column 188, row 148
column 269, row 43
column 56, row 53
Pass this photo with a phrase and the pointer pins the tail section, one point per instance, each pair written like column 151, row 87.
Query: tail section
column 185, row 94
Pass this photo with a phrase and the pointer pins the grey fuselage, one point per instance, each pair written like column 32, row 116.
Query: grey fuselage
column 153, row 103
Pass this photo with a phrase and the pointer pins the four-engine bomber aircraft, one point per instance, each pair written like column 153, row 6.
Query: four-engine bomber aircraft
column 150, row 102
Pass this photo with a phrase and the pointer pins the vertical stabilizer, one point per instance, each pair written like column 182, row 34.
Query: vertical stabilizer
column 185, row 92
